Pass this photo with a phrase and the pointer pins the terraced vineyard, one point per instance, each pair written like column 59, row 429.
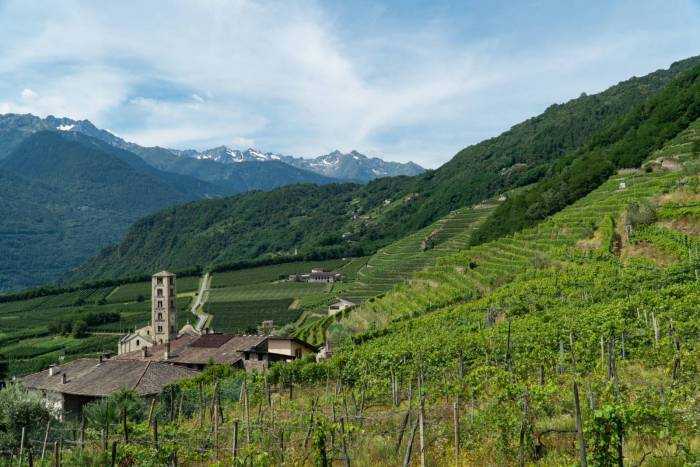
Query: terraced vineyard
column 467, row 274
column 272, row 273
column 398, row 262
column 241, row 317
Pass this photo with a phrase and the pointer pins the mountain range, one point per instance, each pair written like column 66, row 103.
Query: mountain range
column 540, row 165
column 70, row 188
column 352, row 166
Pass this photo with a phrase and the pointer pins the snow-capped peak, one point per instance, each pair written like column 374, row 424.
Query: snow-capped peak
column 352, row 165
column 65, row 127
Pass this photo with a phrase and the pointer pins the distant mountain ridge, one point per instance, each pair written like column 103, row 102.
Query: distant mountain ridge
column 347, row 166
column 230, row 179
column 220, row 165
column 64, row 195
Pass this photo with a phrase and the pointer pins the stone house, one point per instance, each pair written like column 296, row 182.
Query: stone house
column 339, row 306
column 251, row 352
column 68, row 387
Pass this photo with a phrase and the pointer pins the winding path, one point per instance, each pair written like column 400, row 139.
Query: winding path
column 197, row 310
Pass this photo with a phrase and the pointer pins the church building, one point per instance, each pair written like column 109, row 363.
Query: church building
column 163, row 327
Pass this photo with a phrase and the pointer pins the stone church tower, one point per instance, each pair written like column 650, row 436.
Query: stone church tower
column 163, row 307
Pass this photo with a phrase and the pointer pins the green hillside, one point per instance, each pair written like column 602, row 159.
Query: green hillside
column 37, row 332
column 352, row 220
column 62, row 200
column 575, row 339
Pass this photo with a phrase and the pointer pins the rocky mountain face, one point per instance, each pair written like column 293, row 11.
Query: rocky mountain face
column 353, row 165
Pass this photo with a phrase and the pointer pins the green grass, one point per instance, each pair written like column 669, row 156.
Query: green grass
column 243, row 316
column 274, row 272
column 266, row 291
column 36, row 354
column 132, row 292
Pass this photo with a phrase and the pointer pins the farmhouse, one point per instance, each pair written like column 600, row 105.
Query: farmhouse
column 339, row 306
column 66, row 388
column 317, row 275
column 246, row 352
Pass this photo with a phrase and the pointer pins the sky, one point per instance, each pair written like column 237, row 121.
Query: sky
column 402, row 80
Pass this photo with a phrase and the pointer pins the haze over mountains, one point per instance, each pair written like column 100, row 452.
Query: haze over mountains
column 70, row 188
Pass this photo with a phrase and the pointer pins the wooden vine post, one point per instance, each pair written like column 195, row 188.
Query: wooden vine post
column 234, row 447
column 346, row 457
column 421, row 419
column 579, row 427
column 455, row 416
column 125, row 427
column 46, row 439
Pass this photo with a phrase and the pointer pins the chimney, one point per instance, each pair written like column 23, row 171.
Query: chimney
column 63, row 378
column 54, row 370
column 166, row 354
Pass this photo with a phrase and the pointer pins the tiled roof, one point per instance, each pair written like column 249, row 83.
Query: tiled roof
column 90, row 377
column 163, row 274
column 184, row 350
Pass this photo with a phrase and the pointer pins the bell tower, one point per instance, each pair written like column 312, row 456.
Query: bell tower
column 163, row 307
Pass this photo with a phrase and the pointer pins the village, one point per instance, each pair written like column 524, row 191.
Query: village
column 157, row 355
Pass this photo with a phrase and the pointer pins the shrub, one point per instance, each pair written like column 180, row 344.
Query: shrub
column 19, row 409
column 642, row 213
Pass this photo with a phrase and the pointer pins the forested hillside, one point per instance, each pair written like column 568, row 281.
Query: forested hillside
column 360, row 219
column 62, row 199
column 626, row 143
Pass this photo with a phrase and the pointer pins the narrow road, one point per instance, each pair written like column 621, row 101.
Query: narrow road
column 202, row 317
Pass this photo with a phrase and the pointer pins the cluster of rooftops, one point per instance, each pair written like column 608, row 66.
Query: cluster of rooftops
column 158, row 355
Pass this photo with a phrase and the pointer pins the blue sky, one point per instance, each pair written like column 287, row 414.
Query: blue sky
column 403, row 80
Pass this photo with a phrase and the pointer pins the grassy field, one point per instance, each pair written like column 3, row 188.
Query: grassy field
column 27, row 345
column 244, row 316
column 142, row 290
column 267, row 291
column 274, row 272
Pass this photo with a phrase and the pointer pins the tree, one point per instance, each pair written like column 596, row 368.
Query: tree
column 19, row 409
column 695, row 150
column 103, row 413
column 131, row 402
column 79, row 329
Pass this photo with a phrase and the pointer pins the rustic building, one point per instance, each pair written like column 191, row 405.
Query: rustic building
column 247, row 352
column 66, row 388
column 339, row 306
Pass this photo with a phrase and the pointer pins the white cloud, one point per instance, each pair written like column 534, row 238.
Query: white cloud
column 29, row 95
column 290, row 77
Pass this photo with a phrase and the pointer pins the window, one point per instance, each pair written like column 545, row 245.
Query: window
column 137, row 343
column 160, row 303
column 246, row 356
column 159, row 292
column 160, row 328
column 172, row 328
column 160, row 316
column 172, row 303
column 297, row 353
column 159, row 281
column 260, row 357
column 171, row 290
